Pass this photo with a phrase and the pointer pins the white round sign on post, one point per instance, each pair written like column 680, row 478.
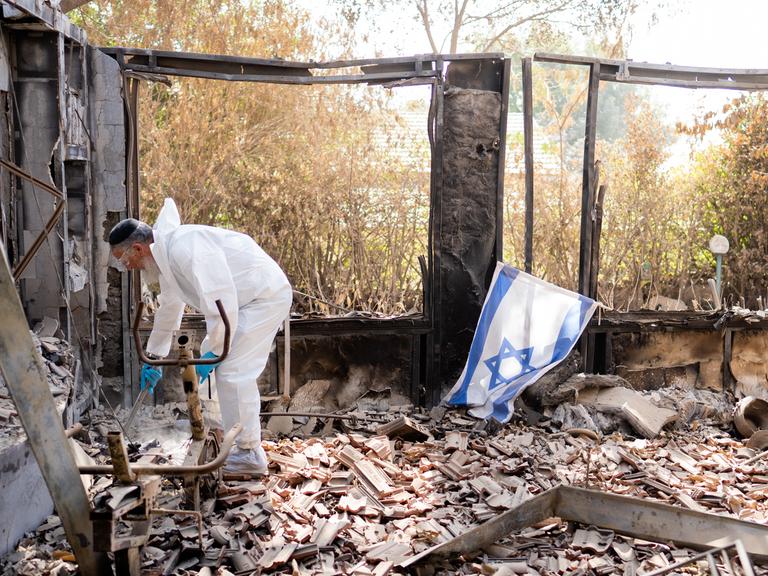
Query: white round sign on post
column 718, row 244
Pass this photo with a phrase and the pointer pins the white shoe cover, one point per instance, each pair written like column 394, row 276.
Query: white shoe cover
column 253, row 461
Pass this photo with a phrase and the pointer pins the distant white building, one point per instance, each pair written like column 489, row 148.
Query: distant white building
column 407, row 140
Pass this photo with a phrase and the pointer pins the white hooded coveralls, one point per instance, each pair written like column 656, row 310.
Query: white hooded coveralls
column 199, row 265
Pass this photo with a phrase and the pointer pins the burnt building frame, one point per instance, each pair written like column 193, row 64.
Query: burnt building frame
column 447, row 322
column 596, row 345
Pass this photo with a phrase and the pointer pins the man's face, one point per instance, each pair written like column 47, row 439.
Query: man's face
column 132, row 258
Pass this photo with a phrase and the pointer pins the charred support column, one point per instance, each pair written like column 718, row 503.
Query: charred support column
column 467, row 213
column 589, row 178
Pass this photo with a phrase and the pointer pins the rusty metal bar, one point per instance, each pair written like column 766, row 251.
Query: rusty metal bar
column 192, row 392
column 24, row 376
column 35, row 248
column 588, row 181
column 528, row 152
column 119, row 454
column 49, row 225
column 633, row 517
column 502, row 169
column 180, row 361
column 141, row 470
column 21, row 173
column 287, row 357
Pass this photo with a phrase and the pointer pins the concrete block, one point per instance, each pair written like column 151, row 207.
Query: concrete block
column 24, row 499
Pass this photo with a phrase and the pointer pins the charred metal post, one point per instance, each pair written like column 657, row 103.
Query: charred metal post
column 588, row 182
column 119, row 454
column 467, row 207
column 589, row 177
column 437, row 126
column 528, row 144
column 191, row 389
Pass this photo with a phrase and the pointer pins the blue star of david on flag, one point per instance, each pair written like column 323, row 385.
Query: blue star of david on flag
column 495, row 364
column 526, row 327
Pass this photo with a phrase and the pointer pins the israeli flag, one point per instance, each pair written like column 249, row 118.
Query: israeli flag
column 526, row 327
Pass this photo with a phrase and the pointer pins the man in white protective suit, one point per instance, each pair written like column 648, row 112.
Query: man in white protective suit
column 197, row 265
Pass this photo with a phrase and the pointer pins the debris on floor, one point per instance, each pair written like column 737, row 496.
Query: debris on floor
column 371, row 493
column 59, row 366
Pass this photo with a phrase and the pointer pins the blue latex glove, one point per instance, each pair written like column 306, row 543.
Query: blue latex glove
column 204, row 370
column 150, row 376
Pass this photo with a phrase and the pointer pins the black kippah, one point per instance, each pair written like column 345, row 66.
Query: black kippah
column 122, row 230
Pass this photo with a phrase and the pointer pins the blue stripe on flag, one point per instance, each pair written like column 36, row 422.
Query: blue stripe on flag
column 501, row 406
column 570, row 330
column 499, row 289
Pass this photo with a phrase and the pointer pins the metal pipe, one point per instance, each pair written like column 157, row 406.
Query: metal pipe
column 33, row 250
column 21, row 173
column 226, row 446
column 189, row 380
column 180, row 362
column 287, row 358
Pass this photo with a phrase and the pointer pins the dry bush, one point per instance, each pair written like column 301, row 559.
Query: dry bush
column 309, row 172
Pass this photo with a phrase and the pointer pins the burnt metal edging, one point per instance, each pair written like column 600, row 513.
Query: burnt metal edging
column 630, row 516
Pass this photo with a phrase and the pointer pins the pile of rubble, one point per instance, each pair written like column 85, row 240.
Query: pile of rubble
column 59, row 364
column 368, row 497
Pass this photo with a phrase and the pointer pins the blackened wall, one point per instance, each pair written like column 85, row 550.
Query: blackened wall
column 468, row 211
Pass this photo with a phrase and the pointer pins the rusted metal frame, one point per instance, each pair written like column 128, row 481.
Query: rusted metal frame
column 586, row 235
column 192, row 391
column 196, row 470
column 505, row 81
column 528, row 154
column 26, row 260
column 202, row 59
column 588, row 182
column 597, row 228
column 634, row 517
column 692, row 84
column 287, row 357
column 21, row 173
column 436, row 113
column 285, row 79
column 667, row 74
column 24, row 376
column 182, row 362
column 659, row 522
column 528, row 513
column 37, row 244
